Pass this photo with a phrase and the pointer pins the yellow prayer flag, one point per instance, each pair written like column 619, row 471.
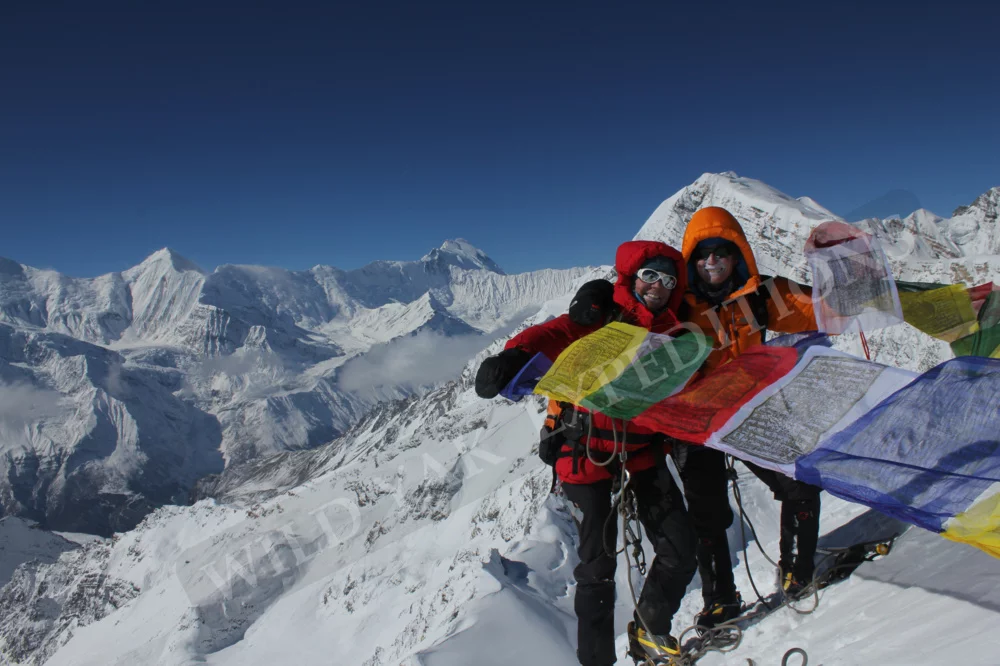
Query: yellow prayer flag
column 591, row 362
column 944, row 313
column 979, row 526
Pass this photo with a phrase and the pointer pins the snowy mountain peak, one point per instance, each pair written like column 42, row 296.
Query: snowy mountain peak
column 777, row 222
column 461, row 254
column 167, row 257
column 973, row 228
column 923, row 215
column 986, row 202
column 762, row 193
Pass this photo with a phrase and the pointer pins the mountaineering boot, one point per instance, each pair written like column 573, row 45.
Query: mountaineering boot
column 792, row 586
column 719, row 611
column 651, row 647
column 785, row 575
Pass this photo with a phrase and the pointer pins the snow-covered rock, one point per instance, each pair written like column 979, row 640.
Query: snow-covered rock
column 97, row 442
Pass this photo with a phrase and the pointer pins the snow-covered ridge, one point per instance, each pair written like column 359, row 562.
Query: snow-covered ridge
column 148, row 303
column 164, row 373
column 967, row 244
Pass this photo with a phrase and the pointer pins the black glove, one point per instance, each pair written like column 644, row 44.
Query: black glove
column 497, row 371
column 593, row 303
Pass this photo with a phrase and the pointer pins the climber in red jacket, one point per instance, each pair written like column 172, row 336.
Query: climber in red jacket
column 652, row 278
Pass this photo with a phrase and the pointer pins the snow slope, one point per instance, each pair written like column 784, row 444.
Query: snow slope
column 441, row 546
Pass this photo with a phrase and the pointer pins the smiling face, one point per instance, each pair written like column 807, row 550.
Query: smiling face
column 715, row 265
column 653, row 294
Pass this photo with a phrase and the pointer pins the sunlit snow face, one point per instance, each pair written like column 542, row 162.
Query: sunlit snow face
column 654, row 294
column 715, row 265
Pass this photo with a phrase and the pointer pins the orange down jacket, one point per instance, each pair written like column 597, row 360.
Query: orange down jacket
column 789, row 304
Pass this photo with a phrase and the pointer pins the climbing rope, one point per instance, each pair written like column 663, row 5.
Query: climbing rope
column 784, row 659
column 726, row 636
column 708, row 640
column 745, row 520
column 795, row 650
column 590, row 431
column 628, row 510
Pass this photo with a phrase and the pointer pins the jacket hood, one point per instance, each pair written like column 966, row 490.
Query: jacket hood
column 715, row 222
column 629, row 259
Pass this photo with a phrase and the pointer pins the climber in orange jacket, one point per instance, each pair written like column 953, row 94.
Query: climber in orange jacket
column 729, row 299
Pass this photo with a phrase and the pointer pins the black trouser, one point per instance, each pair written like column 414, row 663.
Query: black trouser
column 666, row 524
column 703, row 471
column 799, row 521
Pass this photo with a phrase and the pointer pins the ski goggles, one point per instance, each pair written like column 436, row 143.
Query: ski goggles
column 651, row 275
column 720, row 251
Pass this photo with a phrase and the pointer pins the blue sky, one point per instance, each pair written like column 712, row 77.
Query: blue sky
column 295, row 134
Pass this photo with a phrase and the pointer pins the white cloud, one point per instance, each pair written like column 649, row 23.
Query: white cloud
column 252, row 373
column 242, row 362
column 418, row 360
column 423, row 359
column 21, row 404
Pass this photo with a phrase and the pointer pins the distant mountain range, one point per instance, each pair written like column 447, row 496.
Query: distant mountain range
column 122, row 390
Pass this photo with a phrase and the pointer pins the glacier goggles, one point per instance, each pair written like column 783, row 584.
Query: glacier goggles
column 651, row 275
column 721, row 251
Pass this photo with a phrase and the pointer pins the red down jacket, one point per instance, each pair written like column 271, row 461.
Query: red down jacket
column 555, row 335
